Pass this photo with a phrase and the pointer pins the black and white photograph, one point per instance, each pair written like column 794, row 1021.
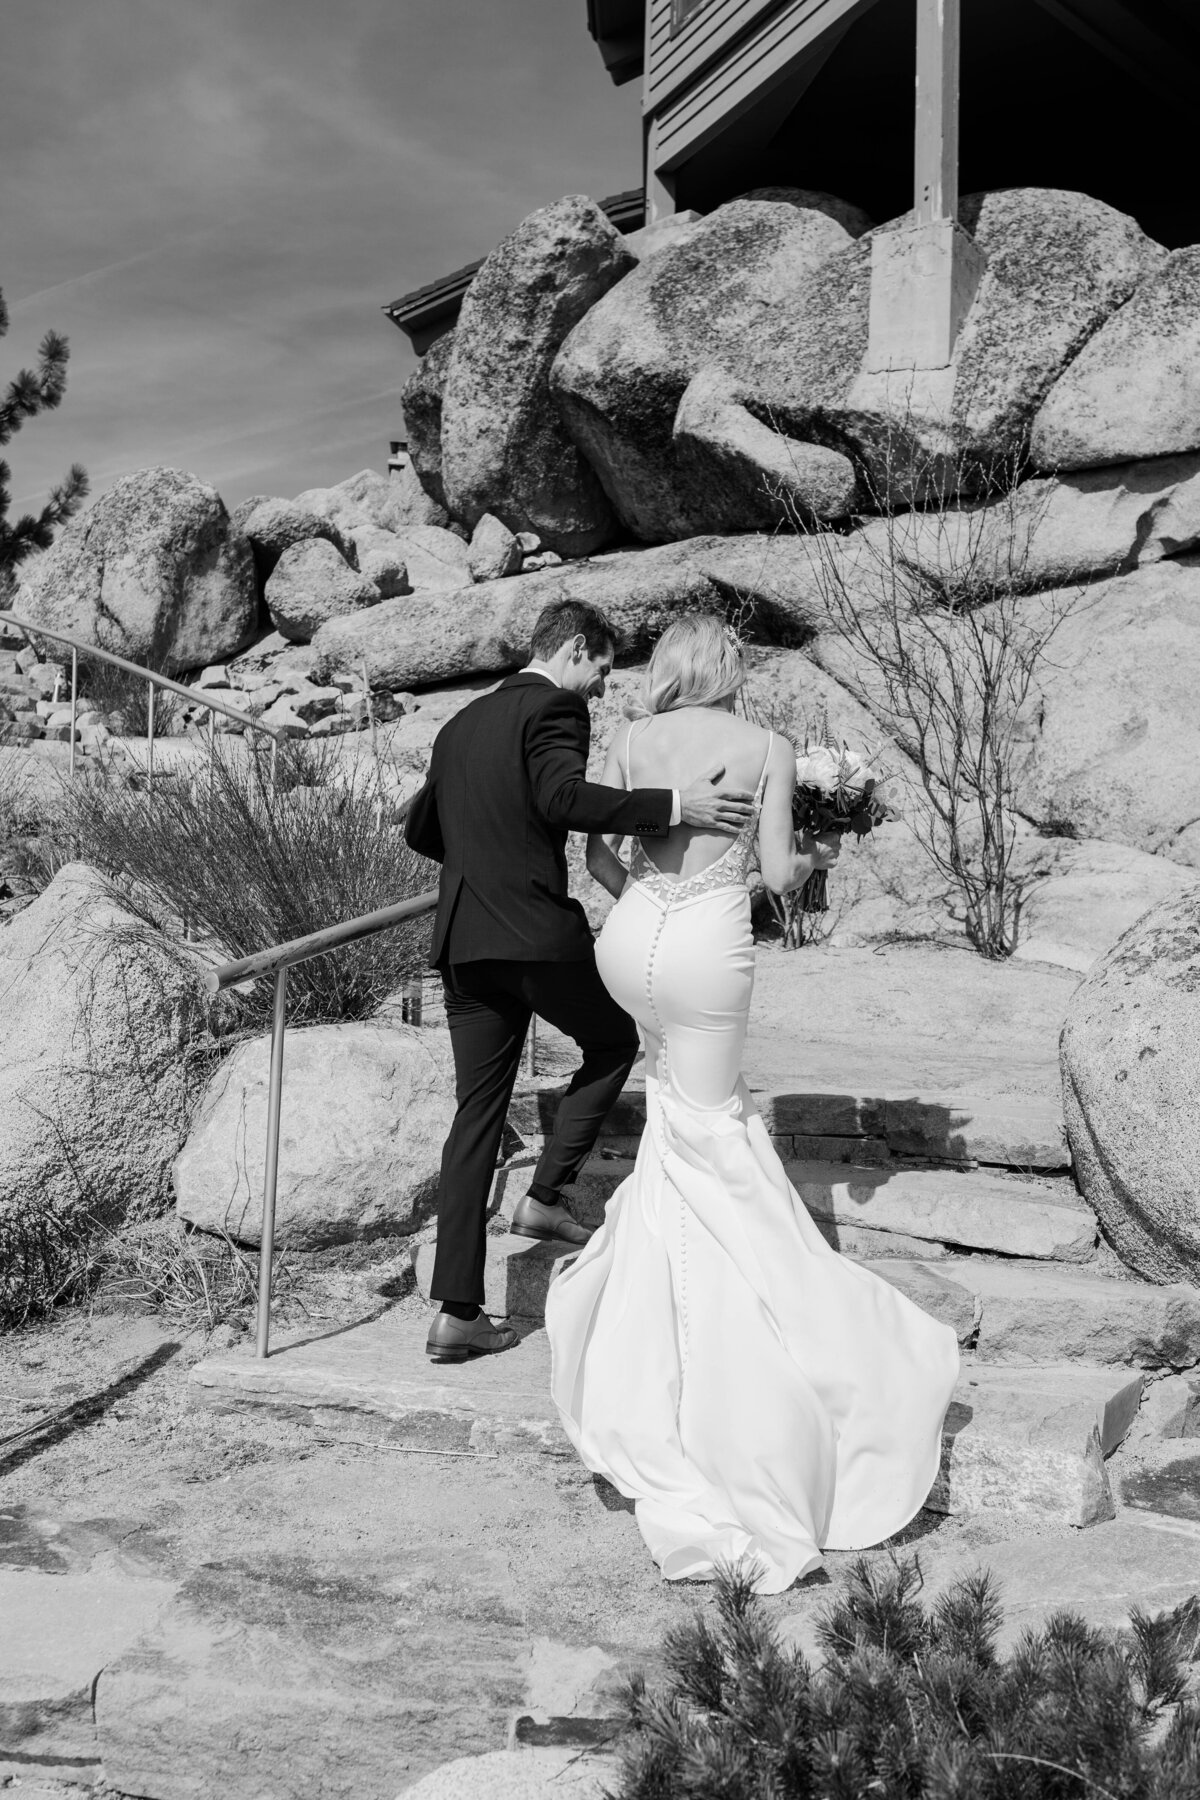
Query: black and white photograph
column 600, row 900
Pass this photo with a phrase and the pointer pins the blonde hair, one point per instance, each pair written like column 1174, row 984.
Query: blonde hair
column 696, row 662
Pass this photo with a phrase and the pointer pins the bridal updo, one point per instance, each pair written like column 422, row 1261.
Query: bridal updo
column 696, row 662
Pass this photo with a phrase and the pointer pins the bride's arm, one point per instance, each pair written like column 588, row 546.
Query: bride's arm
column 603, row 863
column 786, row 863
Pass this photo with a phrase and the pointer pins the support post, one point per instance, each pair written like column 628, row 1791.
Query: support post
column 924, row 276
column 74, row 703
column 935, row 179
column 266, row 1248
column 150, row 737
column 660, row 187
column 531, row 1048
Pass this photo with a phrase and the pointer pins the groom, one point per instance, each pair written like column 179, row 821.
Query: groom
column 507, row 782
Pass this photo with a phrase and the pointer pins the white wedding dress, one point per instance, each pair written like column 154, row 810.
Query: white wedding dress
column 756, row 1394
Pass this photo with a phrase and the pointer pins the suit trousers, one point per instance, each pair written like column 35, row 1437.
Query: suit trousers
column 488, row 1007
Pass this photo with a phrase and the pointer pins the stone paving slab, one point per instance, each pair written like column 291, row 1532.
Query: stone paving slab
column 261, row 1683
column 57, row 1632
column 518, row 1273
column 971, row 1208
column 1022, row 1131
column 519, row 1775
column 1035, row 1313
column 1138, row 1559
column 377, row 1375
column 1028, row 1441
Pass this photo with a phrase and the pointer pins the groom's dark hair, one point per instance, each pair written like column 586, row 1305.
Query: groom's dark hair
column 566, row 619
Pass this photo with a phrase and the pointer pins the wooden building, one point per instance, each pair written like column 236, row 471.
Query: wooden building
column 1094, row 95
column 899, row 104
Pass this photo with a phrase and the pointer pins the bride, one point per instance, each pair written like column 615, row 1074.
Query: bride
column 756, row 1394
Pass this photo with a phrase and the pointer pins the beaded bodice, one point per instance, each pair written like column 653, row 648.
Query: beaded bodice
column 730, row 870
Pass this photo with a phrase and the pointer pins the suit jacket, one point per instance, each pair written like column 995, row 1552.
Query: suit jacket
column 507, row 781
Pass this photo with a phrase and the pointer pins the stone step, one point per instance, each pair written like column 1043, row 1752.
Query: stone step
column 1040, row 1313
column 1024, row 1310
column 873, row 1212
column 376, row 1381
column 1024, row 1441
column 1018, row 1131
column 1033, row 1442
column 518, row 1272
column 587, row 1196
column 970, row 1208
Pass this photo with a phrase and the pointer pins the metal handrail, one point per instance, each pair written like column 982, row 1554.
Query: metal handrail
column 194, row 696
column 277, row 961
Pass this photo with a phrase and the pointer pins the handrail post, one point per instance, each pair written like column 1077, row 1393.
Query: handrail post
column 150, row 737
column 266, row 1248
column 74, row 703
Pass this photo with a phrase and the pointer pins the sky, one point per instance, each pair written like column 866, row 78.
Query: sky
column 214, row 198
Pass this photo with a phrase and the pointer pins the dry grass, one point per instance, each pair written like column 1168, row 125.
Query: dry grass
column 244, row 859
column 195, row 1281
column 124, row 699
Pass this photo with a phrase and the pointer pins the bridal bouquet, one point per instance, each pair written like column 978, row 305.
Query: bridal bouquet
column 836, row 790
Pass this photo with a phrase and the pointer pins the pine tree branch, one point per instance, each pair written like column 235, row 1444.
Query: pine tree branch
column 36, row 531
column 33, row 391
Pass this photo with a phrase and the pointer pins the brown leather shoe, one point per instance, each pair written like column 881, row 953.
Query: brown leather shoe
column 553, row 1224
column 452, row 1340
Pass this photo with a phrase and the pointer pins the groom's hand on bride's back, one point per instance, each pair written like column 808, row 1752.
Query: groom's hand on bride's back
column 707, row 807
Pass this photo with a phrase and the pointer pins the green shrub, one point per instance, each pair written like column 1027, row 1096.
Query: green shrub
column 915, row 1703
column 242, row 858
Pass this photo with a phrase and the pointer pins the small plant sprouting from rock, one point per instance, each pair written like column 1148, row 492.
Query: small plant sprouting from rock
column 30, row 392
column 914, row 1702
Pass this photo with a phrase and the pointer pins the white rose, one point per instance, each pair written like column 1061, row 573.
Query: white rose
column 818, row 769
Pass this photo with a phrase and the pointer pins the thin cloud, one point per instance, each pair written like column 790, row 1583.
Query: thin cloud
column 214, row 203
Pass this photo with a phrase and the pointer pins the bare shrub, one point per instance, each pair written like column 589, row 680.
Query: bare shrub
column 926, row 627
column 125, row 698
column 242, row 859
column 194, row 1280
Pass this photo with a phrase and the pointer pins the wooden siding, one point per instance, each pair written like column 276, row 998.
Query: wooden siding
column 677, row 56
column 753, row 66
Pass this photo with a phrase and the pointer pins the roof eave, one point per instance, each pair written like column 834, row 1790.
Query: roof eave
column 619, row 27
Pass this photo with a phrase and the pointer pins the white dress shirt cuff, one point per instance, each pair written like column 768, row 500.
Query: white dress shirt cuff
column 676, row 808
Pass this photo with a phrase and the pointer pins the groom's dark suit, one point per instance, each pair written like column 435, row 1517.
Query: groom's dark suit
column 507, row 782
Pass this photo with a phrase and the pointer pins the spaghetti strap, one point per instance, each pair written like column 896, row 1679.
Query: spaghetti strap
column 633, row 725
column 762, row 780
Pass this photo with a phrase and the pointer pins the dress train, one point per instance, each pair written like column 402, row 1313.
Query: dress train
column 756, row 1394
